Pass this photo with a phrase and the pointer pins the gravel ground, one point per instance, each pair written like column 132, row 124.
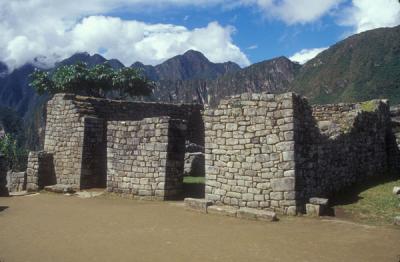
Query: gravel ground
column 50, row 227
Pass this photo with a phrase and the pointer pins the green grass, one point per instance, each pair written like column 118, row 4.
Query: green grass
column 193, row 180
column 372, row 203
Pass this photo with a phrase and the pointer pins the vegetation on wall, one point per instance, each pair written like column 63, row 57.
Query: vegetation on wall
column 13, row 142
column 15, row 154
column 98, row 81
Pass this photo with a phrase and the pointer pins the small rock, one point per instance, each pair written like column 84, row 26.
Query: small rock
column 197, row 204
column 397, row 221
column 314, row 210
column 86, row 194
column 59, row 188
column 319, row 201
column 396, row 190
column 291, row 211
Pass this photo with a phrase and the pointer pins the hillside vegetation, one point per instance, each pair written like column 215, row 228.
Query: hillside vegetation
column 362, row 67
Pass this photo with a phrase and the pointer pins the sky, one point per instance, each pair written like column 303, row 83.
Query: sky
column 150, row 31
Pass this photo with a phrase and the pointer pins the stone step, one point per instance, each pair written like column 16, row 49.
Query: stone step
column 223, row 210
column 256, row 214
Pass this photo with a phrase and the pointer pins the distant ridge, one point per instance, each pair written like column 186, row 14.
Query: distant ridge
column 362, row 67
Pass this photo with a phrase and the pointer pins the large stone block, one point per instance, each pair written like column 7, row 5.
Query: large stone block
column 256, row 214
column 283, row 184
column 222, row 210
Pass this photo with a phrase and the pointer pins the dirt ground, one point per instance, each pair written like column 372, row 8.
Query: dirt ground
column 49, row 227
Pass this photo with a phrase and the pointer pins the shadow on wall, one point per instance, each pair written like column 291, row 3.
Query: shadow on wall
column 175, row 160
column 46, row 171
column 329, row 162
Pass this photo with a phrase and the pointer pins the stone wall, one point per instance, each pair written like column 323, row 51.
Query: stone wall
column 250, row 152
column 276, row 151
column 145, row 158
column 3, row 176
column 64, row 137
column 16, row 181
column 339, row 145
column 76, row 133
column 40, row 171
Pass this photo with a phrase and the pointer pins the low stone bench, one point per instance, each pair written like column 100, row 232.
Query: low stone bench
column 223, row 210
column 197, row 204
column 59, row 188
column 256, row 214
column 317, row 206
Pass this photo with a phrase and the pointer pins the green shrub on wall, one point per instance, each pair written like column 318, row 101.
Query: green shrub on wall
column 97, row 81
column 15, row 155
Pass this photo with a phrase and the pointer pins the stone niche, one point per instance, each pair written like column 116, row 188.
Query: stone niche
column 275, row 152
column 146, row 158
column 40, row 171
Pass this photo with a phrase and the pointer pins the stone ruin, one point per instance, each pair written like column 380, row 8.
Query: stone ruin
column 262, row 151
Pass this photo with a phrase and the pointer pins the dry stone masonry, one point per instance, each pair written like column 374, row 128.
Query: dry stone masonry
column 16, row 181
column 80, row 130
column 40, row 171
column 261, row 151
column 145, row 158
column 250, row 152
column 276, row 151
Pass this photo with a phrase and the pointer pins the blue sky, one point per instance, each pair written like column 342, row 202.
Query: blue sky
column 259, row 37
column 151, row 31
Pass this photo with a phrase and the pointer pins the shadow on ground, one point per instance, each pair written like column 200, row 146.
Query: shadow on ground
column 351, row 194
column 2, row 208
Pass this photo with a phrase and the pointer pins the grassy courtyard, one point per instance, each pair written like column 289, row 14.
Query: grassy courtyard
column 371, row 203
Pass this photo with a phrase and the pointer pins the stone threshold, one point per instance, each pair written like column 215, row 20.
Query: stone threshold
column 207, row 207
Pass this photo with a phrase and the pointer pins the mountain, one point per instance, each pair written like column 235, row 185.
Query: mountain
column 90, row 60
column 362, row 67
column 17, row 95
column 190, row 65
column 273, row 76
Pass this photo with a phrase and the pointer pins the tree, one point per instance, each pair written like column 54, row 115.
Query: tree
column 98, row 81
column 16, row 155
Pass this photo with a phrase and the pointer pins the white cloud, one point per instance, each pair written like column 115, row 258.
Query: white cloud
column 306, row 54
column 252, row 47
column 294, row 11
column 38, row 28
column 369, row 14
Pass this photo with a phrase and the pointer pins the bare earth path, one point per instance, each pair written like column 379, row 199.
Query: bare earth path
column 51, row 227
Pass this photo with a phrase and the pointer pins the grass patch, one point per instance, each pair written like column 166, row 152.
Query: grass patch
column 194, row 180
column 372, row 203
column 369, row 106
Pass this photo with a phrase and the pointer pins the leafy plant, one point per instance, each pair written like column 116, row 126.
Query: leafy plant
column 16, row 156
column 97, row 81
